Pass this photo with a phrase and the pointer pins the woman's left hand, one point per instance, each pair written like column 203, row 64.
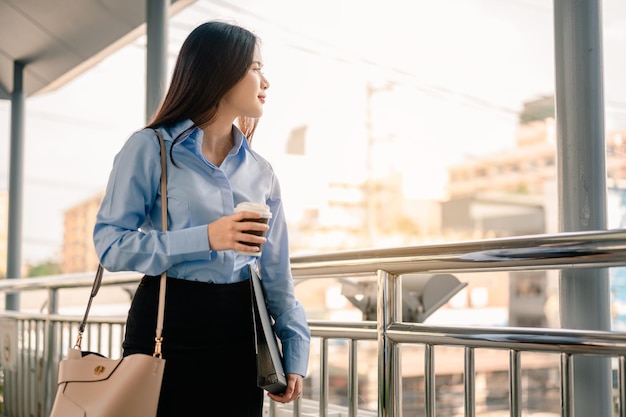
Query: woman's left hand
column 293, row 391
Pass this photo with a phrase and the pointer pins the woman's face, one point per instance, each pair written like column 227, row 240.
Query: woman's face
column 247, row 97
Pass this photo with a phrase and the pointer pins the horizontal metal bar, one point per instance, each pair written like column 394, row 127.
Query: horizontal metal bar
column 343, row 325
column 339, row 333
column 555, row 251
column 547, row 251
column 63, row 318
column 522, row 339
column 513, row 338
column 67, row 281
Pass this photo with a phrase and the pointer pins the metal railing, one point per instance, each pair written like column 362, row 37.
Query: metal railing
column 43, row 338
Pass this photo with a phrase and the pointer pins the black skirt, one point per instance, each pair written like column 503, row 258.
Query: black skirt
column 208, row 346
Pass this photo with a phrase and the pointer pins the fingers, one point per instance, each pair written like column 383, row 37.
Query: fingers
column 245, row 215
column 250, row 231
column 293, row 391
column 243, row 231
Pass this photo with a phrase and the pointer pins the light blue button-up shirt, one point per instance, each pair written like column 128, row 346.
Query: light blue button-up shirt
column 128, row 234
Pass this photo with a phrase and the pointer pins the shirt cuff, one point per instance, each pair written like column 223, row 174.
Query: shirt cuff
column 191, row 243
column 296, row 356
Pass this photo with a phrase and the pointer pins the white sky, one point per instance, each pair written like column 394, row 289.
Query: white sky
column 450, row 75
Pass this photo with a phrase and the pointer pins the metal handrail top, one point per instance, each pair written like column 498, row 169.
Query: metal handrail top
column 545, row 251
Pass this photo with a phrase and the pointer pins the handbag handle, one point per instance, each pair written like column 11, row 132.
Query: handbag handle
column 158, row 340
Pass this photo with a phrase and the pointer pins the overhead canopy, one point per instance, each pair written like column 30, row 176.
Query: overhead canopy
column 57, row 40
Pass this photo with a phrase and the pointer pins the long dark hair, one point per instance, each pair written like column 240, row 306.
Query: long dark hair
column 214, row 57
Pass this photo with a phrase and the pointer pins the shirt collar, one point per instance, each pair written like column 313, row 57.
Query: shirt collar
column 239, row 138
column 240, row 142
column 180, row 127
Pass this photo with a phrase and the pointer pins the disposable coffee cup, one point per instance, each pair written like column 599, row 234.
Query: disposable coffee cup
column 266, row 215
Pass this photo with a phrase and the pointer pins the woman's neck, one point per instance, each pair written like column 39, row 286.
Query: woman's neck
column 217, row 142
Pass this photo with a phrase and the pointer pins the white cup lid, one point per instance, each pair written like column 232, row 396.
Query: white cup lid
column 264, row 209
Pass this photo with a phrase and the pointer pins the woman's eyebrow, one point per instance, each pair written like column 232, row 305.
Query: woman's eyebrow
column 259, row 63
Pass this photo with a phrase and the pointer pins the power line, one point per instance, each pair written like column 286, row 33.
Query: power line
column 541, row 7
column 348, row 57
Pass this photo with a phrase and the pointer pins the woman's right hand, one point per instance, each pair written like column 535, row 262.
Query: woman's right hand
column 229, row 231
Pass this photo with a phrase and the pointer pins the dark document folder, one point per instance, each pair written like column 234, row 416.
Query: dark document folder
column 270, row 373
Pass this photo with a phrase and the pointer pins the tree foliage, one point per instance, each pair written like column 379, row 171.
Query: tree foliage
column 44, row 269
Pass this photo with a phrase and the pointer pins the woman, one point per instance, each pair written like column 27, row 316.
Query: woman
column 208, row 335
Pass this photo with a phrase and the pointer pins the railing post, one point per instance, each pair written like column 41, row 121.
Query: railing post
column 323, row 410
column 430, row 396
column 469, row 383
column 296, row 407
column 515, row 383
column 51, row 351
column 389, row 310
column 567, row 386
column 353, row 380
column 621, row 382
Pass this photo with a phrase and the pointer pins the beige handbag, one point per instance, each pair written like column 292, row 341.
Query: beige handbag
column 91, row 385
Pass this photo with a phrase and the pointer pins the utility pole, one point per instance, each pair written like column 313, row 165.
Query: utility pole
column 371, row 187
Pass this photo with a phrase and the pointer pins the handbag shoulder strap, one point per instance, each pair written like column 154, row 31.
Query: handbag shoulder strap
column 158, row 339
column 98, row 280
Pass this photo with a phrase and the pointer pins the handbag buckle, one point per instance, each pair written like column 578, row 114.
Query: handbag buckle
column 157, row 347
column 79, row 340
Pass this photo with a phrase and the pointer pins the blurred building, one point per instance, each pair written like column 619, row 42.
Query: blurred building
column 523, row 170
column 372, row 214
column 79, row 254
column 531, row 165
column 509, row 193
